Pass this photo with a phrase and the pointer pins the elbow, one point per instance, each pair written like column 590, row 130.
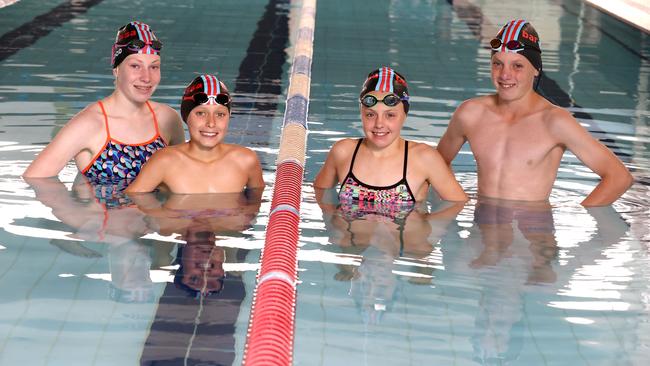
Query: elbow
column 623, row 180
column 629, row 180
column 460, row 198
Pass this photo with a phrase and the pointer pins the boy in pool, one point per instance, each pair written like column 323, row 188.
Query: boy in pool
column 383, row 167
column 518, row 137
column 204, row 164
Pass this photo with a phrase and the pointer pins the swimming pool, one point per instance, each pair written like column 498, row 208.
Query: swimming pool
column 447, row 296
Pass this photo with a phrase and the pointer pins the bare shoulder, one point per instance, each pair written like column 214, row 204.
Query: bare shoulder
column 169, row 156
column 422, row 153
column 344, row 148
column 163, row 111
column 89, row 120
column 471, row 109
column 475, row 105
column 167, row 117
column 559, row 120
column 243, row 155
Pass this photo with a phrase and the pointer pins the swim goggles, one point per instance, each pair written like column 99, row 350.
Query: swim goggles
column 390, row 100
column 136, row 45
column 203, row 98
column 513, row 45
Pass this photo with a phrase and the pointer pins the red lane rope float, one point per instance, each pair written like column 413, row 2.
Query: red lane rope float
column 287, row 190
column 271, row 325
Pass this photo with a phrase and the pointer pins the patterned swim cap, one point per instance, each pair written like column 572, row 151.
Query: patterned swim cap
column 519, row 36
column 387, row 80
column 204, row 89
column 135, row 37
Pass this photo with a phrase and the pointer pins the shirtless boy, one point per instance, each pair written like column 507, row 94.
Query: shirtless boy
column 518, row 137
column 204, row 164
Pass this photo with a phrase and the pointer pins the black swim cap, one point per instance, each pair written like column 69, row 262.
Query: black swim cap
column 387, row 80
column 135, row 37
column 519, row 36
column 204, row 89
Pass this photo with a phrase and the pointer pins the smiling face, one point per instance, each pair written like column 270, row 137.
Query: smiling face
column 512, row 75
column 382, row 124
column 208, row 124
column 138, row 76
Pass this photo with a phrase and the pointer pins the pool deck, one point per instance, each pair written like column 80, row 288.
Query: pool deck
column 633, row 12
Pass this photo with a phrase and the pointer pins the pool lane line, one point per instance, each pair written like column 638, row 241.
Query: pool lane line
column 473, row 17
column 261, row 70
column 29, row 33
column 270, row 333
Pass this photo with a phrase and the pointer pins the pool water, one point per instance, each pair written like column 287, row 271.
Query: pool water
column 490, row 283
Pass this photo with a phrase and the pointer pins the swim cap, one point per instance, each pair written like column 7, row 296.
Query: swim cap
column 135, row 37
column 520, row 37
column 204, row 89
column 387, row 80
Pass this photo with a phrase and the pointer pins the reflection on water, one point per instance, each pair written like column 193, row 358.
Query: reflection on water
column 500, row 282
column 374, row 236
column 160, row 277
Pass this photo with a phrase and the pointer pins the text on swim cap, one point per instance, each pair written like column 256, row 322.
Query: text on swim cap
column 192, row 88
column 529, row 36
column 127, row 35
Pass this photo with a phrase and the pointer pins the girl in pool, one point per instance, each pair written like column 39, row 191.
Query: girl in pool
column 110, row 140
column 383, row 167
column 204, row 164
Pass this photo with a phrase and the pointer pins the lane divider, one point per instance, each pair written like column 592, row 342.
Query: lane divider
column 271, row 325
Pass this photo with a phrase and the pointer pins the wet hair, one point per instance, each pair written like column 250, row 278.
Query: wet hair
column 135, row 37
column 385, row 79
column 208, row 85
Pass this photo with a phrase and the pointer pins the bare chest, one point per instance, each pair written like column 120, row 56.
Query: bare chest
column 517, row 146
column 212, row 177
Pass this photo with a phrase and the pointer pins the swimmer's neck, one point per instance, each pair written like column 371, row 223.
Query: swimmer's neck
column 123, row 105
column 390, row 150
column 204, row 154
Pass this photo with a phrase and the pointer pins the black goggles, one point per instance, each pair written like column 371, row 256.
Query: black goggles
column 203, row 98
column 390, row 100
column 513, row 45
column 137, row 44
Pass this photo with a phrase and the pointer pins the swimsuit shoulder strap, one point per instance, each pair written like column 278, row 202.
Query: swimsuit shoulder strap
column 406, row 157
column 101, row 106
column 354, row 155
column 155, row 119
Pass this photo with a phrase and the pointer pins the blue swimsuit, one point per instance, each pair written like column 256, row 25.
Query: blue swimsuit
column 118, row 161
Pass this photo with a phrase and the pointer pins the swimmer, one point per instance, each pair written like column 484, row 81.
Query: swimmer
column 382, row 166
column 204, row 164
column 110, row 140
column 518, row 137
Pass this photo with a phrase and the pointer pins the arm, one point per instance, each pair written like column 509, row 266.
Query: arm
column 255, row 178
column 70, row 141
column 615, row 179
column 328, row 177
column 453, row 138
column 152, row 174
column 52, row 193
column 440, row 176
